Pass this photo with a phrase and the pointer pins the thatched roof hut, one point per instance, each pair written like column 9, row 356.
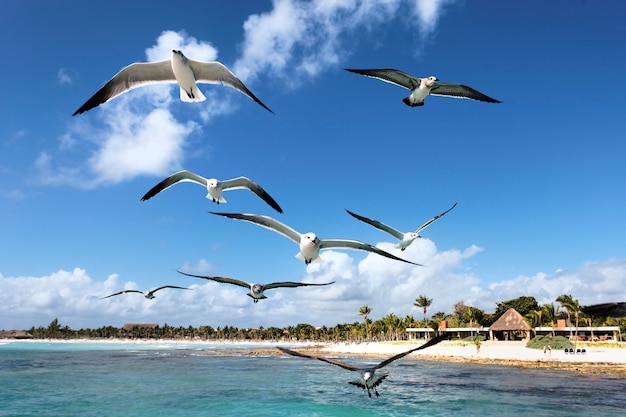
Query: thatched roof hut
column 510, row 326
column 15, row 334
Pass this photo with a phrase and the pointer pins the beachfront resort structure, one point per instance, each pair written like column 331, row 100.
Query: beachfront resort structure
column 512, row 326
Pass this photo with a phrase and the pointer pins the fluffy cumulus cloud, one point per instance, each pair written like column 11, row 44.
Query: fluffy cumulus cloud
column 385, row 285
column 134, row 134
column 303, row 38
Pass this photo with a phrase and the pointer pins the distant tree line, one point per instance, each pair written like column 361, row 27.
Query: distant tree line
column 387, row 328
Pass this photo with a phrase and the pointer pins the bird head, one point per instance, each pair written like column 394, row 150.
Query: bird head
column 257, row 288
column 431, row 81
column 212, row 183
column 312, row 237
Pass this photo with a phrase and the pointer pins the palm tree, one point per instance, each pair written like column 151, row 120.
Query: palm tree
column 392, row 323
column 423, row 302
column 549, row 315
column 365, row 312
column 569, row 305
column 535, row 317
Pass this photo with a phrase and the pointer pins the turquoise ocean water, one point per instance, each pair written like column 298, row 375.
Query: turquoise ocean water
column 125, row 379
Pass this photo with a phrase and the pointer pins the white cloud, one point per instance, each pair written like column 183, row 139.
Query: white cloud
column 303, row 38
column 386, row 286
column 134, row 134
column 63, row 76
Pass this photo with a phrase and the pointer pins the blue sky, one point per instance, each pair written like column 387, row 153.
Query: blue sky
column 539, row 179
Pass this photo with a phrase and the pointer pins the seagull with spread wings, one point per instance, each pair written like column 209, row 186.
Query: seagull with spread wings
column 214, row 187
column 368, row 378
column 310, row 244
column 405, row 238
column 422, row 87
column 148, row 294
column 179, row 69
column 256, row 290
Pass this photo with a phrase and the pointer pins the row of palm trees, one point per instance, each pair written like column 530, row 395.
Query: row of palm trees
column 389, row 327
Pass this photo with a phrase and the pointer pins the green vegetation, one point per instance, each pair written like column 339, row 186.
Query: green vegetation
column 555, row 343
column 387, row 328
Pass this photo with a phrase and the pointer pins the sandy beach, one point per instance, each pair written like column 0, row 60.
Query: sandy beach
column 597, row 359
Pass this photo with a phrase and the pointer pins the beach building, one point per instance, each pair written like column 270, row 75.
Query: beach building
column 510, row 326
column 452, row 332
column 593, row 334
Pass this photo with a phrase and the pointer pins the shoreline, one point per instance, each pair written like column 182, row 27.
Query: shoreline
column 598, row 359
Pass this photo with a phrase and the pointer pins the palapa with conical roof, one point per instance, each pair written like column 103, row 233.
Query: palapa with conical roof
column 511, row 323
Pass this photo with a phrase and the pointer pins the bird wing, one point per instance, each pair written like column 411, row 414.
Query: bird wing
column 459, row 91
column 267, row 222
column 122, row 292
column 356, row 245
column 134, row 75
column 292, row 284
column 382, row 226
column 169, row 286
column 217, row 73
column 617, row 310
column 426, row 224
column 243, row 182
column 180, row 176
column 223, row 280
column 319, row 358
column 393, row 76
column 430, row 343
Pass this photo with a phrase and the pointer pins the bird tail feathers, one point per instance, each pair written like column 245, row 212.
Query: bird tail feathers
column 193, row 95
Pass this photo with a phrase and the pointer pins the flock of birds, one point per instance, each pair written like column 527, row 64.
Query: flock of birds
column 187, row 74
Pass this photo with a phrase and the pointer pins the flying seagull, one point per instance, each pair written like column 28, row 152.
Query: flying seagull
column 421, row 87
column 616, row 310
column 405, row 238
column 186, row 72
column 310, row 244
column 213, row 186
column 368, row 379
column 148, row 294
column 256, row 290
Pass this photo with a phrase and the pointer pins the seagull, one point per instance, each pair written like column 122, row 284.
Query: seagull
column 616, row 310
column 213, row 186
column 186, row 72
column 421, row 87
column 310, row 244
column 368, row 380
column 256, row 290
column 405, row 238
column 148, row 294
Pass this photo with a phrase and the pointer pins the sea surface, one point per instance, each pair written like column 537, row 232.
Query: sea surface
column 126, row 379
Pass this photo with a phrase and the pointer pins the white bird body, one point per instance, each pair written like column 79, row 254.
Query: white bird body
column 214, row 187
column 256, row 290
column 310, row 245
column 405, row 238
column 179, row 69
column 189, row 91
column 422, row 87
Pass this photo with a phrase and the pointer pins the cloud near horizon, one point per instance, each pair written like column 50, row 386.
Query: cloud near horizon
column 385, row 285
